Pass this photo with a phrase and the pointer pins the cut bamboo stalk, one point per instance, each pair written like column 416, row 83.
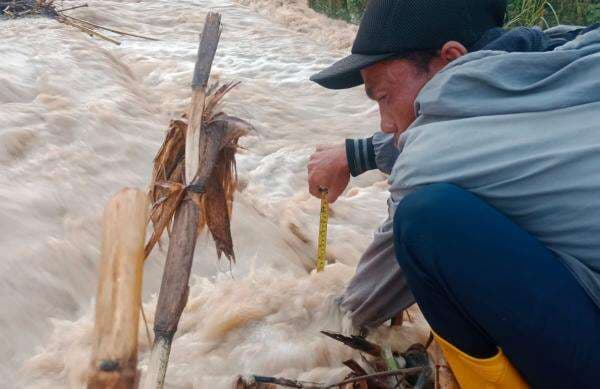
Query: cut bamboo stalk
column 114, row 355
column 159, row 360
column 206, row 54
column 110, row 29
column 173, row 293
column 174, row 288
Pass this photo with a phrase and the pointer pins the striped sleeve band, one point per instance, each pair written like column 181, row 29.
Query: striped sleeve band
column 361, row 155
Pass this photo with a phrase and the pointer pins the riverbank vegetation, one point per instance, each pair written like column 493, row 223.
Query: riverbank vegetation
column 542, row 13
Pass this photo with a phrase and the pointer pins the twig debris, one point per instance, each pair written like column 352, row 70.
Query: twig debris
column 14, row 9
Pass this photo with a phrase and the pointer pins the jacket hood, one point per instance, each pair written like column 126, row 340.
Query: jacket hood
column 496, row 82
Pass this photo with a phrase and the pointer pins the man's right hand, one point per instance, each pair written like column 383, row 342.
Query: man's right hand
column 328, row 168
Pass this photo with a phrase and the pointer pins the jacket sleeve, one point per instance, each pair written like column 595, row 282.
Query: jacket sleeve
column 376, row 152
column 378, row 291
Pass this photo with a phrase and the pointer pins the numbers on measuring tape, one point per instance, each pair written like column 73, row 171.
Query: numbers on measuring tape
column 322, row 242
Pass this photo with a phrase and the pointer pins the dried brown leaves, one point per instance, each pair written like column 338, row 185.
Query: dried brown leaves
column 167, row 187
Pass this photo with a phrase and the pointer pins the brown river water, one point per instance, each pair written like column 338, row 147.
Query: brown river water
column 81, row 118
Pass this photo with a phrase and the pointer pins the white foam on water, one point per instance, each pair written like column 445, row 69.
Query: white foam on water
column 81, row 118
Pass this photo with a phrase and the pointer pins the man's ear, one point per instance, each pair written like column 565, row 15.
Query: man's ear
column 452, row 50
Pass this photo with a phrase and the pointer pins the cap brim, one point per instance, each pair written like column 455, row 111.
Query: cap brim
column 345, row 73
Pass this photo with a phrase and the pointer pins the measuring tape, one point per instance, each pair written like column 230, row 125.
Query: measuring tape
column 322, row 244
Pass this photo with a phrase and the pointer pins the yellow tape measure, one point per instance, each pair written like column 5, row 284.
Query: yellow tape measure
column 322, row 244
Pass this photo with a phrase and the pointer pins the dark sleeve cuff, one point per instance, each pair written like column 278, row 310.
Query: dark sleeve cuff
column 361, row 155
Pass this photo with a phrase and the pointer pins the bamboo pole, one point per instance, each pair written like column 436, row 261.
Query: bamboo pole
column 206, row 54
column 114, row 355
column 174, row 288
column 173, row 293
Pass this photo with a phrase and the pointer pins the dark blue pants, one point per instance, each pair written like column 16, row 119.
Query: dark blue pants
column 482, row 282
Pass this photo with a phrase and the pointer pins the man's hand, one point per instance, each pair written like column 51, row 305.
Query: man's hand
column 328, row 168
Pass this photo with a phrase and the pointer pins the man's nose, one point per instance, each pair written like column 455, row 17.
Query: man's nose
column 387, row 126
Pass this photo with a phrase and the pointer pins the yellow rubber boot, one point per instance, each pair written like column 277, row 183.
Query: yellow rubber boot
column 473, row 373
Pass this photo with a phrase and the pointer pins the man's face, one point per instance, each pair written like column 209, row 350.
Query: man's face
column 394, row 85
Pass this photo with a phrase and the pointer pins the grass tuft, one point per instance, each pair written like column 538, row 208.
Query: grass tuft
column 542, row 13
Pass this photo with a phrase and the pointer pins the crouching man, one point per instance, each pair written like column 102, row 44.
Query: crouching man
column 492, row 142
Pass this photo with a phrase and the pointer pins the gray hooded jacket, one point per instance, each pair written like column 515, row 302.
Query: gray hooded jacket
column 520, row 130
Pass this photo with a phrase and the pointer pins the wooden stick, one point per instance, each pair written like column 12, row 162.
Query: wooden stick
column 356, row 342
column 27, row 12
column 70, row 8
column 110, row 29
column 411, row 370
column 253, row 381
column 173, row 293
column 247, row 382
column 114, row 355
column 174, row 288
column 355, row 367
column 88, row 30
column 206, row 54
column 359, row 371
column 159, row 360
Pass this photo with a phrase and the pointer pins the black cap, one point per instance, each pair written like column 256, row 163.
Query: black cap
column 393, row 27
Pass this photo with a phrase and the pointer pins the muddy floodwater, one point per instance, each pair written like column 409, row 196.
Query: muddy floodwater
column 81, row 118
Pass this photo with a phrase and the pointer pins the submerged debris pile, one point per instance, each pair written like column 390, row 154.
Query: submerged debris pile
column 13, row 9
column 379, row 367
column 20, row 8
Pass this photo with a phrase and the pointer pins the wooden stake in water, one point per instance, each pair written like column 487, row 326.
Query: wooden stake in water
column 115, row 341
column 322, row 243
column 200, row 157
